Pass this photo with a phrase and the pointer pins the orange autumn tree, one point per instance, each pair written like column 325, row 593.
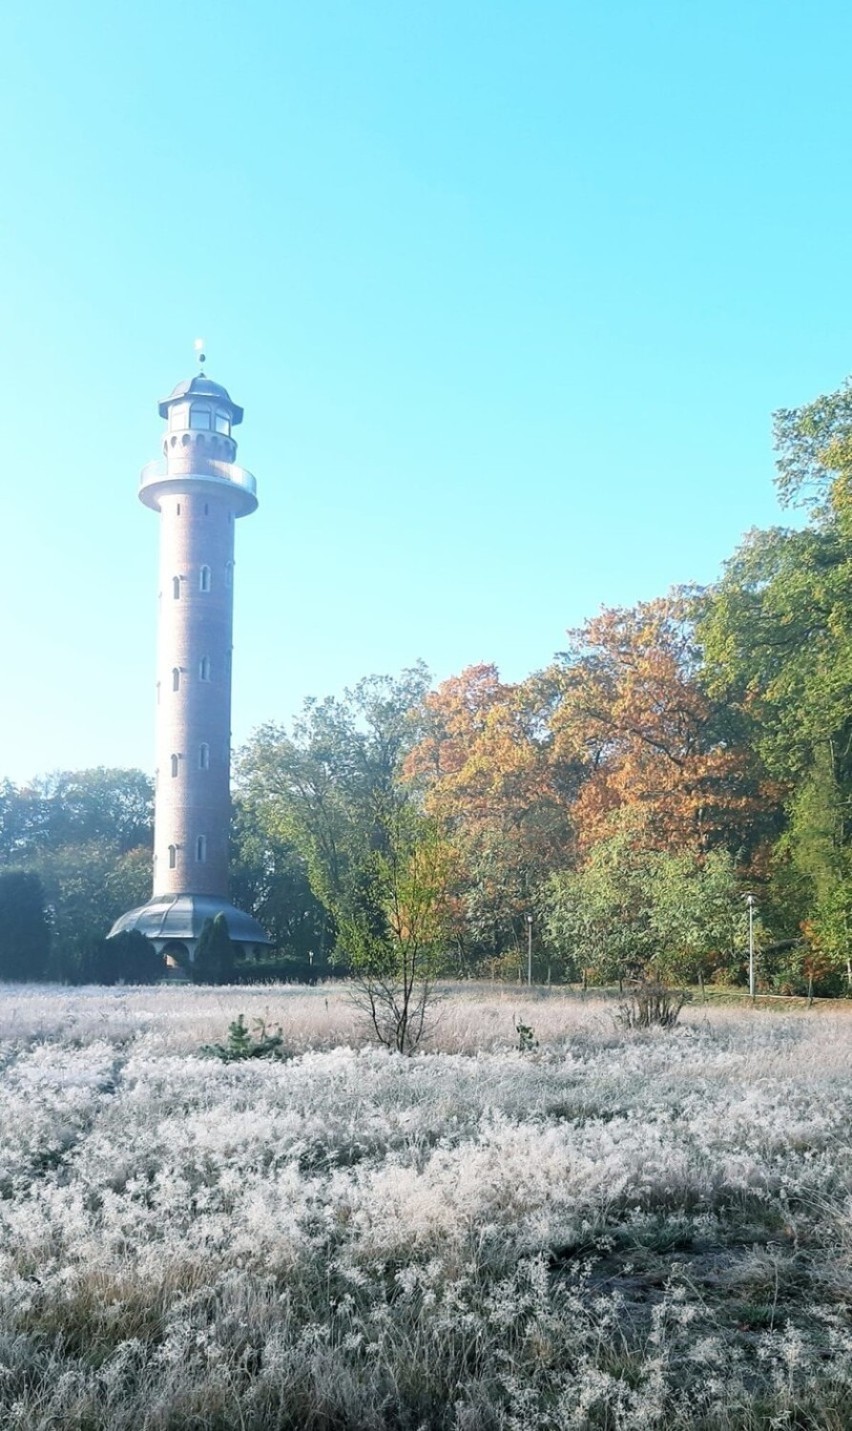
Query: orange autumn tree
column 630, row 705
column 484, row 762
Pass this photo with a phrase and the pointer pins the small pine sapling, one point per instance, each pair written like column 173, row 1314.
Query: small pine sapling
column 243, row 1044
column 527, row 1040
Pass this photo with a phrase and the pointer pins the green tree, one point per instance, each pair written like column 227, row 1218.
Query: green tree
column 87, row 887
column 99, row 804
column 24, row 930
column 599, row 917
column 813, row 443
column 87, row 835
column 777, row 636
column 826, row 949
column 269, row 880
column 331, row 787
column 696, row 914
column 214, row 953
column 75, row 807
column 335, row 789
column 129, row 958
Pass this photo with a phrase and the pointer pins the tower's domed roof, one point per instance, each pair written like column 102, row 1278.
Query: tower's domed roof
column 201, row 386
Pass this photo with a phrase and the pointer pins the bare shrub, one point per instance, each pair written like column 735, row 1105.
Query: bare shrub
column 651, row 1005
column 397, row 1009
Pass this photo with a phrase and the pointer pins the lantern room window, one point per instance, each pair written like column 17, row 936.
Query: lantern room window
column 223, row 423
column 179, row 417
column 199, row 418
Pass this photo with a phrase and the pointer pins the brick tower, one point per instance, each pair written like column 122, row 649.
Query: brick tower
column 199, row 492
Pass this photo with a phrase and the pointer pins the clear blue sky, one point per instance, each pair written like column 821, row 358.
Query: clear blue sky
column 509, row 292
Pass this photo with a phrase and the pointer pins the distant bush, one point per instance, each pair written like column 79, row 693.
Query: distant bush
column 129, row 958
column 283, row 969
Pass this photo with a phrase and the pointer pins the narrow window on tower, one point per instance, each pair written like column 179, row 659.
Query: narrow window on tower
column 178, row 508
column 201, row 849
column 176, row 587
column 172, row 856
column 175, row 762
column 204, row 669
column 176, row 678
column 204, row 756
column 204, row 579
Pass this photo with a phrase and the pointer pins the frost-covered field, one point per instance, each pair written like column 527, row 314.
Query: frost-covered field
column 616, row 1230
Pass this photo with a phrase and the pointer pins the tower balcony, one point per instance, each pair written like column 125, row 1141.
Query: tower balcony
column 159, row 477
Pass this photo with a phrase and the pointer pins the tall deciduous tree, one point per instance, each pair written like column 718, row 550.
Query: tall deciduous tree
column 632, row 707
column 484, row 761
column 269, row 880
column 777, row 632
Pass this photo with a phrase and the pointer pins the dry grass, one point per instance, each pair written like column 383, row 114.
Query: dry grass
column 617, row 1230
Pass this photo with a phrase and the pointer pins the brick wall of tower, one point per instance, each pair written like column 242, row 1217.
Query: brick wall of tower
column 194, row 707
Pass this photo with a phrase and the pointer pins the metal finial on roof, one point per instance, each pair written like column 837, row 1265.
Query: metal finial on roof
column 199, row 348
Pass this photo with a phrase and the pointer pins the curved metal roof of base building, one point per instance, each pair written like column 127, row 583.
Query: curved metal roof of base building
column 181, row 917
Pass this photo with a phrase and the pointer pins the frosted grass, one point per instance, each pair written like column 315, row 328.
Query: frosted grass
column 617, row 1231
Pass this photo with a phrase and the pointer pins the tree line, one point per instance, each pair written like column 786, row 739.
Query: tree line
column 618, row 804
column 76, row 852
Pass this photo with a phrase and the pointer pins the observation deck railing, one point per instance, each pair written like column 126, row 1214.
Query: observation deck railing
column 158, row 471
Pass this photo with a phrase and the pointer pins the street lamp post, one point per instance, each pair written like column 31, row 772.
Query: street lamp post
column 529, row 951
column 751, row 902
